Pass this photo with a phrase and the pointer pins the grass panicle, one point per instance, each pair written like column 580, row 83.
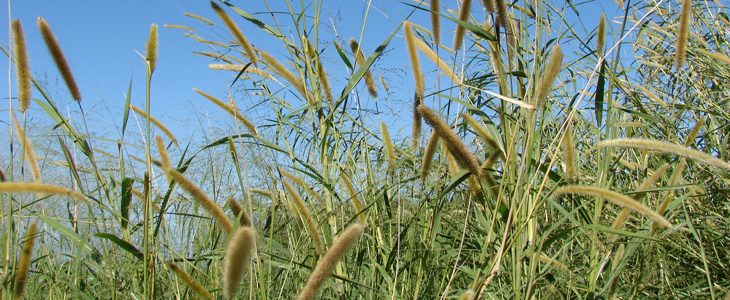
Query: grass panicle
column 302, row 210
column 554, row 64
column 488, row 5
column 467, row 295
column 238, row 68
column 481, row 131
column 282, row 71
column 502, row 13
column 442, row 65
column 648, row 183
column 63, row 67
column 164, row 157
column 418, row 78
column 230, row 110
column 26, row 256
column 435, row 21
column 453, row 143
column 683, row 32
column 28, row 151
column 155, row 122
column 22, row 66
column 321, row 73
column 237, row 258
column 151, row 53
column 601, row 36
column 569, row 155
column 664, row 147
column 369, row 81
column 27, row 187
column 615, row 198
column 326, row 264
column 428, row 154
column 388, row 145
column 715, row 55
column 240, row 38
column 238, row 211
column 190, row 282
column 460, row 30
column 355, row 198
column 208, row 204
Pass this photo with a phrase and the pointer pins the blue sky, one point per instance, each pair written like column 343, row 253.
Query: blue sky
column 100, row 40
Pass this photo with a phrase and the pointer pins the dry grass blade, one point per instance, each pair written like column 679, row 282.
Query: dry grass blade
column 460, row 30
column 369, row 81
column 665, row 147
column 21, row 270
column 326, row 264
column 203, row 199
column 456, row 146
column 240, row 38
column 230, row 110
column 55, row 48
column 190, row 282
column 235, row 263
column 615, row 198
column 23, row 68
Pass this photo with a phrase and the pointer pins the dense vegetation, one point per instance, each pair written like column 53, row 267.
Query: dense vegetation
column 528, row 161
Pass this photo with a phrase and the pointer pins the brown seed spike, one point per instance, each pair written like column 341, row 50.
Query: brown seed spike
column 21, row 271
column 435, row 24
column 369, row 81
column 683, row 34
column 453, row 143
column 152, row 48
column 555, row 62
column 55, row 48
column 460, row 31
column 238, row 253
column 247, row 48
column 23, row 70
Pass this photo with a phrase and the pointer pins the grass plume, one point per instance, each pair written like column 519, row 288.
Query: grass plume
column 238, row 211
column 443, row 66
column 418, row 78
column 615, row 198
column 453, row 143
column 601, row 36
column 22, row 66
column 321, row 73
column 388, row 145
column 230, row 110
column 502, row 13
column 554, row 64
column 285, row 73
column 28, row 151
column 326, row 264
column 155, row 122
column 21, row 270
column 569, row 155
column 488, row 5
column 665, row 147
column 460, row 30
column 240, row 38
column 435, row 22
column 683, row 33
column 27, row 187
column 356, row 203
column 190, row 282
column 638, row 194
column 63, row 67
column 428, row 154
column 203, row 199
column 369, row 81
column 303, row 211
column 152, row 48
column 235, row 263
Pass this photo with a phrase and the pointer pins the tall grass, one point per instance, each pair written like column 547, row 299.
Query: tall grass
column 345, row 209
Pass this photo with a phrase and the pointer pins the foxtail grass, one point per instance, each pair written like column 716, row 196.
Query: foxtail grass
column 554, row 64
column 239, row 68
column 442, row 65
column 665, row 147
column 240, row 38
column 683, row 32
column 204, row 20
column 230, row 110
column 435, row 21
column 355, row 198
column 502, row 13
column 303, row 185
column 615, row 198
column 569, row 155
column 460, row 30
column 369, row 81
column 321, row 73
column 22, row 66
column 28, row 151
column 428, row 154
column 155, row 122
column 282, row 71
column 190, row 282
column 238, row 211
column 488, row 5
column 388, row 145
column 326, row 264
column 468, row 295
column 152, row 48
column 418, row 78
column 305, row 215
column 63, row 67
column 26, row 256
column 208, row 204
column 164, row 157
column 453, row 143
column 237, row 258
column 601, row 35
column 27, row 187
column 648, row 183
column 482, row 132
column 715, row 55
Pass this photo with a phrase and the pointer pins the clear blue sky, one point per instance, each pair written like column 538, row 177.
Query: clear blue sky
column 100, row 40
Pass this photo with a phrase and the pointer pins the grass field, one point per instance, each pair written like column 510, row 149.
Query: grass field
column 528, row 161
